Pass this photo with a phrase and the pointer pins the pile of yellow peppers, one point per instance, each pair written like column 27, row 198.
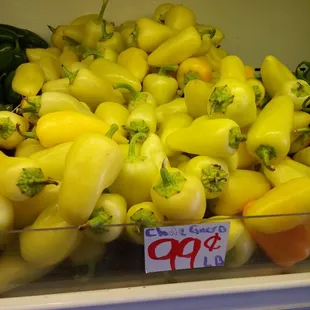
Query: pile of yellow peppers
column 149, row 123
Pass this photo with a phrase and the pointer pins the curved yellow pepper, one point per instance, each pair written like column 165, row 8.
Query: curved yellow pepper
column 303, row 156
column 161, row 11
column 180, row 17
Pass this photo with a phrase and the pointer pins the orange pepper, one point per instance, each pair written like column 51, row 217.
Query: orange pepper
column 193, row 68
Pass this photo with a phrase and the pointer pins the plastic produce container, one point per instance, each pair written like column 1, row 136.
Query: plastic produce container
column 265, row 251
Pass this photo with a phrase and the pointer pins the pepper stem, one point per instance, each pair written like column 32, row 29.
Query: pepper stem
column 266, row 153
column 132, row 91
column 191, row 76
column 165, row 174
column 113, row 129
column 143, row 218
column 164, row 70
column 235, row 137
column 68, row 74
column 210, row 32
column 302, row 130
column 132, row 144
column 28, row 135
column 95, row 53
column 51, row 28
column 220, row 99
column 102, row 10
column 44, row 182
column 98, row 221
column 305, row 106
column 105, row 34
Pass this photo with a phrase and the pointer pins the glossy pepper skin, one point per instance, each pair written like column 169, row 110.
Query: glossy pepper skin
column 301, row 121
column 26, row 212
column 208, row 137
column 172, row 124
column 9, row 136
column 243, row 186
column 100, row 160
column 7, row 218
column 303, row 156
column 55, row 246
column 193, row 68
column 245, row 160
column 214, row 57
column 161, row 11
column 66, row 126
column 110, row 209
column 69, row 56
column 259, row 90
column 113, row 113
column 114, row 72
column 21, row 178
column 50, row 67
column 57, row 39
column 269, row 137
column 290, row 197
column 60, row 85
column 35, row 54
column 298, row 166
column 164, row 111
column 135, row 60
column 196, row 95
column 27, row 147
column 52, row 160
column 178, row 196
column 212, row 172
column 232, row 97
column 160, row 85
column 136, row 176
column 180, row 17
column 176, row 49
column 143, row 215
column 150, row 34
column 28, row 79
column 86, row 86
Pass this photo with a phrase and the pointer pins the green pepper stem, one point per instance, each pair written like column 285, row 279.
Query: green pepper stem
column 27, row 110
column 133, row 142
column 113, row 129
column 210, row 32
column 165, row 176
column 132, row 91
column 305, row 106
column 105, row 34
column 235, row 137
column 51, row 28
column 266, row 153
column 68, row 74
column 70, row 41
column 95, row 53
column 302, row 130
column 44, row 182
column 191, row 76
column 102, row 10
column 29, row 135
column 164, row 70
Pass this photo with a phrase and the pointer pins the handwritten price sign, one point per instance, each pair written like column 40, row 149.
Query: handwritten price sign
column 185, row 247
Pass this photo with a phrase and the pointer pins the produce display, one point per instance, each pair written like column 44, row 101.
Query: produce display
column 145, row 124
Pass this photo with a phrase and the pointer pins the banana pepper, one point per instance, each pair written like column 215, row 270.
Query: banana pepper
column 60, row 85
column 100, row 161
column 136, row 176
column 269, row 137
column 303, row 156
column 259, row 90
column 160, row 85
column 35, row 54
column 110, row 209
column 177, row 48
column 208, row 137
column 27, row 147
column 180, row 17
column 214, row 57
column 69, row 56
column 140, row 216
column 212, row 172
column 291, row 197
column 218, row 35
column 135, row 60
column 232, row 96
column 28, row 79
column 178, row 196
column 298, row 166
column 57, row 38
column 243, row 186
column 179, row 161
column 245, row 160
column 161, row 11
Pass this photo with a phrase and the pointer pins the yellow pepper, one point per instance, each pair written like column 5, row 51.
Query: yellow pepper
column 50, row 102
column 114, row 72
column 69, row 56
column 178, row 196
column 127, row 34
column 65, row 126
column 197, row 94
column 142, row 118
column 161, row 11
column 9, row 136
column 26, row 212
column 180, row 17
column 291, row 197
column 208, row 137
column 57, row 39
column 49, row 247
column 259, row 90
column 218, row 35
column 302, row 141
column 303, row 156
column 301, row 120
column 140, row 216
column 298, row 166
column 83, row 19
column 215, row 57
column 178, row 160
column 233, row 162
column 126, row 24
column 35, row 54
column 54, row 50
column 172, row 124
column 6, row 219
column 269, row 137
column 96, row 161
column 21, row 178
column 113, row 113
column 135, row 61
column 60, row 85
column 193, row 68
column 212, row 172
column 28, row 79
column 160, row 85
column 86, row 86
column 101, row 52
column 150, row 34
column 27, row 148
column 176, row 49
column 52, row 160
column 136, row 177
column 245, row 160
column 164, row 111
column 232, row 97
column 75, row 33
column 110, row 209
